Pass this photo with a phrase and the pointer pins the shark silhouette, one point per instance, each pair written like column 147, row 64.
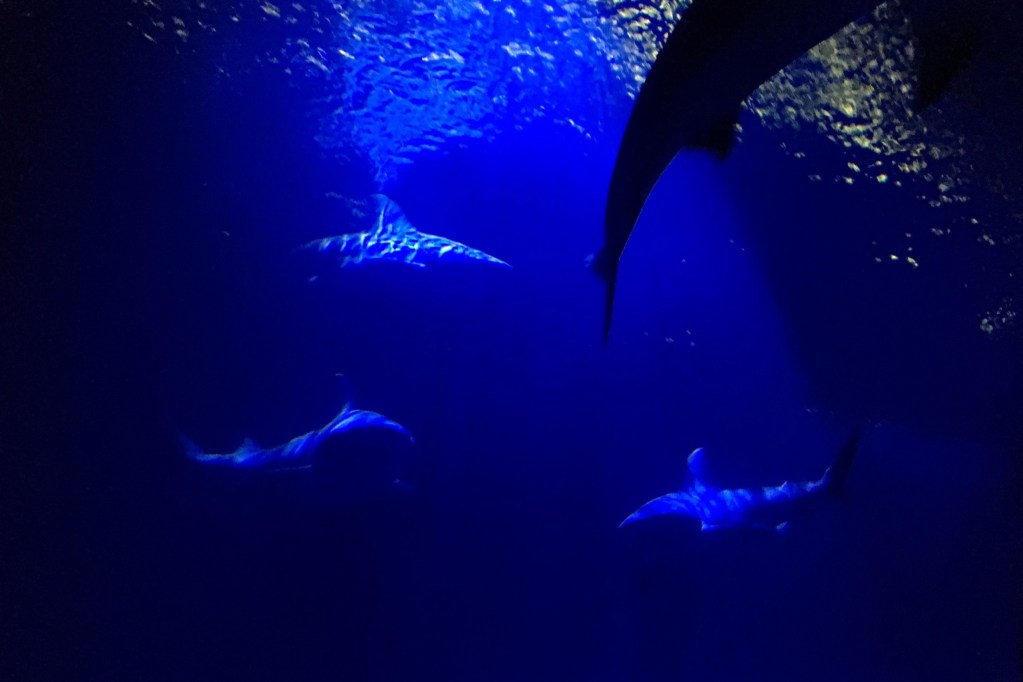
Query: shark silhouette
column 768, row 508
column 716, row 56
column 302, row 451
column 393, row 238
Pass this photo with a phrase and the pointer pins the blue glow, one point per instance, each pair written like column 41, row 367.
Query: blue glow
column 161, row 181
column 445, row 76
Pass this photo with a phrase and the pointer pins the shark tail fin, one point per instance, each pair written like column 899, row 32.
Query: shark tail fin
column 834, row 478
column 949, row 35
column 192, row 451
column 605, row 265
column 609, row 305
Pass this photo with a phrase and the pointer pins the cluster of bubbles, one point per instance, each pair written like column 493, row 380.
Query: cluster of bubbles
column 395, row 79
column 858, row 90
column 400, row 78
column 420, row 79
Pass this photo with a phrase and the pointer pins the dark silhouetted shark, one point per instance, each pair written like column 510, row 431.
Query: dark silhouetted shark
column 717, row 55
column 768, row 508
column 393, row 238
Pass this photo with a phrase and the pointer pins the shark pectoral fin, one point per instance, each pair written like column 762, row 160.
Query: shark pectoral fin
column 659, row 506
column 497, row 261
column 355, row 420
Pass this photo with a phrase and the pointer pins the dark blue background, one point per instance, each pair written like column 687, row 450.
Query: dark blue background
column 128, row 313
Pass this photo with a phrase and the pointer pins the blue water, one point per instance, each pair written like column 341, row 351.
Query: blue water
column 151, row 287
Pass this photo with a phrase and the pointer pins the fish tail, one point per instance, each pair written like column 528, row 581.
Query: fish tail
column 192, row 451
column 609, row 305
column 606, row 267
column 834, row 478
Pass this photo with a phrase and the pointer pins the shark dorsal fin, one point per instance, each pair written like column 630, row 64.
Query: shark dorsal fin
column 696, row 467
column 390, row 217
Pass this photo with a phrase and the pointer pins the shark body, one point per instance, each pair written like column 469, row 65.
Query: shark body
column 768, row 508
column 301, row 452
column 715, row 57
column 393, row 238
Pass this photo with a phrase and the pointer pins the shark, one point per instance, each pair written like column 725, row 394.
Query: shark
column 717, row 54
column 392, row 237
column 302, row 452
column 767, row 508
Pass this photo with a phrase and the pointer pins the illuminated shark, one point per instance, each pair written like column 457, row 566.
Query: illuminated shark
column 767, row 508
column 393, row 238
column 716, row 56
column 301, row 452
